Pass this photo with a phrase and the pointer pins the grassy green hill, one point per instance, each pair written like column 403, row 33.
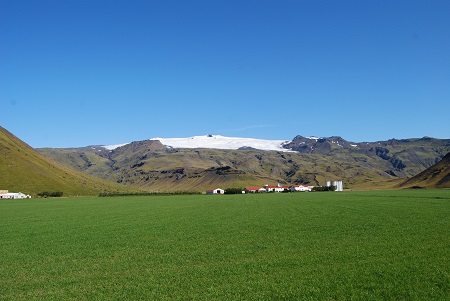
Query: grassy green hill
column 24, row 169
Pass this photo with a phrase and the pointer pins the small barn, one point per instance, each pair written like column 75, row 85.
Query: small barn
column 215, row 191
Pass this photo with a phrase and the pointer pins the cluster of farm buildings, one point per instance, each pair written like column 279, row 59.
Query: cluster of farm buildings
column 338, row 186
column 5, row 194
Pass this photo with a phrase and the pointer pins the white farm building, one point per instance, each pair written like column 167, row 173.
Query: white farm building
column 215, row 191
column 300, row 188
column 4, row 194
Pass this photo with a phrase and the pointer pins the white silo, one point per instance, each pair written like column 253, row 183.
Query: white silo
column 339, row 186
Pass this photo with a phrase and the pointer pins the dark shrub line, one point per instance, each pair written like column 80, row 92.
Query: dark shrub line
column 54, row 194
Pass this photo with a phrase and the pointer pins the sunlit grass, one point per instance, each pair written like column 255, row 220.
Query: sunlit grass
column 300, row 246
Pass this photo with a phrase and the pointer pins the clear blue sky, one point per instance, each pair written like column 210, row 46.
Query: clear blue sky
column 84, row 72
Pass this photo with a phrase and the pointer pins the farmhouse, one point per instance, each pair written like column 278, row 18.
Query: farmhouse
column 300, row 187
column 5, row 194
column 277, row 188
column 268, row 188
column 215, row 191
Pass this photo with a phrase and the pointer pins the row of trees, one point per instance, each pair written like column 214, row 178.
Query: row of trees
column 234, row 190
column 324, row 188
column 54, row 194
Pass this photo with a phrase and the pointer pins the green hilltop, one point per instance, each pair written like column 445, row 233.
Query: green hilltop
column 24, row 169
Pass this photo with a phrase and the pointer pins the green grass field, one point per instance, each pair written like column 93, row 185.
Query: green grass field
column 374, row 245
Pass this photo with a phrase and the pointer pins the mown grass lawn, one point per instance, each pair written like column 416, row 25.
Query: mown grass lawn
column 375, row 245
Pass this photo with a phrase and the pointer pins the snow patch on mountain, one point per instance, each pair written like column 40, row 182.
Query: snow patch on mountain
column 112, row 147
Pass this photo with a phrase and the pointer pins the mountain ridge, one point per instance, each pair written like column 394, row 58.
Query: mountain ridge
column 296, row 144
column 303, row 160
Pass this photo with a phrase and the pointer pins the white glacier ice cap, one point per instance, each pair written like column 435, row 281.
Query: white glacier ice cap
column 218, row 142
column 223, row 142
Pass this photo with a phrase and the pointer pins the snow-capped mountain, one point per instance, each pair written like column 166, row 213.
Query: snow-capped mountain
column 218, row 142
column 200, row 162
